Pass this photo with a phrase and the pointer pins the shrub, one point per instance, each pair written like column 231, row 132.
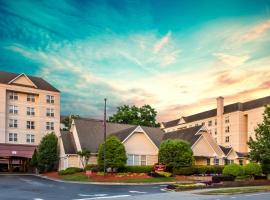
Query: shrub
column 165, row 174
column 233, row 170
column 252, row 169
column 198, row 170
column 136, row 169
column 70, row 170
column 94, row 168
column 175, row 153
column 218, row 179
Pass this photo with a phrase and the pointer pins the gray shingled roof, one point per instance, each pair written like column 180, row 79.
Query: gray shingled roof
column 68, row 142
column 6, row 77
column 188, row 134
column 227, row 109
column 225, row 150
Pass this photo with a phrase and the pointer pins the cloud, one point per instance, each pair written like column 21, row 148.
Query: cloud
column 231, row 60
column 162, row 42
column 257, row 31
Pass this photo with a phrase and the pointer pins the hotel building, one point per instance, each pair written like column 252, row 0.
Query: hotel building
column 29, row 109
column 231, row 126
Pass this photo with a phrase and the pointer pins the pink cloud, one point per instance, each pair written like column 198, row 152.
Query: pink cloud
column 257, row 31
column 161, row 43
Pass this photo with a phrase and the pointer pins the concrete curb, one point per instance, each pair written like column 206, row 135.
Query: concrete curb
column 105, row 183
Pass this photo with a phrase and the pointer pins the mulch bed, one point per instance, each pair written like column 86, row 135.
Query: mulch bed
column 116, row 177
column 54, row 175
column 241, row 183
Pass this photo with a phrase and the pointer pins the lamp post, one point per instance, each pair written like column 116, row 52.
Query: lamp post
column 105, row 135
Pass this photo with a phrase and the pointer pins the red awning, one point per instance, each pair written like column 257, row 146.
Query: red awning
column 17, row 150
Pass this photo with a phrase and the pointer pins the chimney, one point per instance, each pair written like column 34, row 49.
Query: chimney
column 220, row 106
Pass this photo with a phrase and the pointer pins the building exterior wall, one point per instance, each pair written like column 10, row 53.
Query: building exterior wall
column 40, row 105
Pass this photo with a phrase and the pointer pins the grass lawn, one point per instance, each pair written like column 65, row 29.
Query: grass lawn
column 239, row 190
column 75, row 177
column 149, row 180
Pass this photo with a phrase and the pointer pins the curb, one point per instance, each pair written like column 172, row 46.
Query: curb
column 104, row 183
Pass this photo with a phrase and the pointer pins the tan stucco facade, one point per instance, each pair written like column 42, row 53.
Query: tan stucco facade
column 22, row 88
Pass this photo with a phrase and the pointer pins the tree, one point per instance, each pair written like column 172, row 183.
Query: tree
column 115, row 153
column 47, row 156
column 145, row 115
column 68, row 120
column 34, row 161
column 233, row 170
column 260, row 148
column 84, row 156
column 252, row 169
column 175, row 153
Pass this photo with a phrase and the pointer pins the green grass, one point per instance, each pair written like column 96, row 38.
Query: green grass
column 239, row 190
column 76, row 177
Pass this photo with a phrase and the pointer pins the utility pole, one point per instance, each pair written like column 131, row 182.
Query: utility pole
column 105, row 136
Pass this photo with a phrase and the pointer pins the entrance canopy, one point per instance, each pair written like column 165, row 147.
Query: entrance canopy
column 16, row 150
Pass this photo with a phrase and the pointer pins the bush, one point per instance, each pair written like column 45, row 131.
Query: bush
column 70, row 170
column 218, row 179
column 233, row 170
column 165, row 174
column 198, row 170
column 175, row 153
column 252, row 169
column 93, row 168
column 136, row 169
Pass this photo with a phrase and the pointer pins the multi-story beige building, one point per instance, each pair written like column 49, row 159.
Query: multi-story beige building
column 29, row 109
column 231, row 125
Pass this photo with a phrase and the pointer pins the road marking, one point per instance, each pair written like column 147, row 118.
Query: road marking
column 92, row 195
column 256, row 194
column 137, row 192
column 233, row 197
column 104, row 197
column 37, row 199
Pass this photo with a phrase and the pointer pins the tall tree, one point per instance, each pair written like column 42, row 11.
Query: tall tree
column 260, row 147
column 145, row 115
column 115, row 153
column 68, row 120
column 84, row 156
column 47, row 155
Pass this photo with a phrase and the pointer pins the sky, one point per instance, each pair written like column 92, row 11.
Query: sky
column 176, row 56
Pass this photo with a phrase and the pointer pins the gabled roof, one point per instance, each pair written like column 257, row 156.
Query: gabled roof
column 188, row 134
column 227, row 109
column 7, row 77
column 225, row 150
column 68, row 142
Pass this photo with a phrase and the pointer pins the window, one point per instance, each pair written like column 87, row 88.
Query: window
column 203, row 123
column 215, row 131
column 30, row 98
column 50, row 99
column 208, row 161
column 49, row 125
column 13, row 123
column 50, row 112
column 227, row 119
column 215, row 122
column 227, row 129
column 216, row 161
column 12, row 137
column 136, row 159
column 240, row 162
column 13, row 96
column 30, row 125
column 30, row 138
column 13, row 109
column 30, row 111
column 227, row 139
column 210, row 131
column 210, row 123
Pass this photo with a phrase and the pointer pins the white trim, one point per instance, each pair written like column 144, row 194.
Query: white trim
column 19, row 77
column 140, row 130
column 181, row 121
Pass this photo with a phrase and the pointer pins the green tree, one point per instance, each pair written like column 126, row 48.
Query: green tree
column 145, row 115
column 84, row 156
column 47, row 156
column 233, row 170
column 252, row 169
column 115, row 153
column 175, row 153
column 260, row 148
column 68, row 120
column 34, row 161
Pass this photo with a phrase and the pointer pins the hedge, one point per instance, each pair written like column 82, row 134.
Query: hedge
column 233, row 170
column 136, row 169
column 198, row 170
column 70, row 170
column 94, row 168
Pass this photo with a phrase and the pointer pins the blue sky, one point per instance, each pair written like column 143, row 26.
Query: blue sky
column 177, row 56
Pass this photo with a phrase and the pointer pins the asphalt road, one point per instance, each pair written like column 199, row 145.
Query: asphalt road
column 21, row 187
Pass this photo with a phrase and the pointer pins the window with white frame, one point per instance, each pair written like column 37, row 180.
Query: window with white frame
column 210, row 123
column 227, row 119
column 13, row 109
column 227, row 129
column 136, row 159
column 30, row 138
column 50, row 99
column 31, row 98
column 13, row 96
column 30, row 111
column 13, row 123
column 227, row 139
column 12, row 137
column 30, row 124
column 49, row 125
column 216, row 161
column 50, row 112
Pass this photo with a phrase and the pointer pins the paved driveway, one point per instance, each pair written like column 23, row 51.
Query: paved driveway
column 13, row 187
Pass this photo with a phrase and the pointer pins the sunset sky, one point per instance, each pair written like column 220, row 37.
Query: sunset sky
column 177, row 56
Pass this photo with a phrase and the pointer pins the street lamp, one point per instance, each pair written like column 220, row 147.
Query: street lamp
column 105, row 135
